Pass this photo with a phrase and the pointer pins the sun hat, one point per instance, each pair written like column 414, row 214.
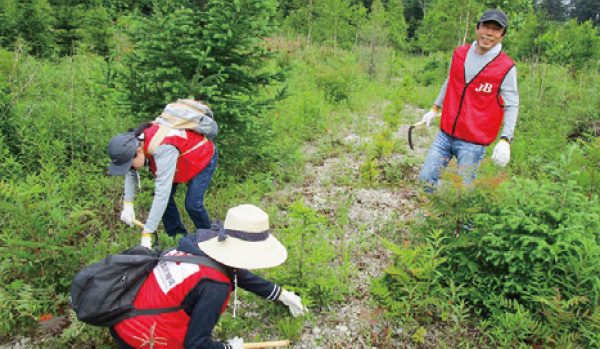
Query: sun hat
column 496, row 16
column 244, row 241
column 121, row 149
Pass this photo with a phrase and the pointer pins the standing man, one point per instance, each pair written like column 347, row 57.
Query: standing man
column 479, row 93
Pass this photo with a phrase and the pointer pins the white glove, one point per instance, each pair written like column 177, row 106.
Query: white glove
column 501, row 154
column 429, row 116
column 293, row 302
column 146, row 239
column 236, row 343
column 128, row 214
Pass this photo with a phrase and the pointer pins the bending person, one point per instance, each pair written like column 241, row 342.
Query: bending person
column 243, row 243
column 183, row 156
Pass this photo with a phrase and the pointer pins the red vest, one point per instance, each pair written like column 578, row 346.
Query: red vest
column 473, row 111
column 167, row 286
column 191, row 161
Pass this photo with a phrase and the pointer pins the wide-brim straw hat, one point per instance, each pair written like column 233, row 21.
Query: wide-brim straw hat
column 244, row 241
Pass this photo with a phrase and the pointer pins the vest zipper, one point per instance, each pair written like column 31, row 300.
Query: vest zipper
column 462, row 97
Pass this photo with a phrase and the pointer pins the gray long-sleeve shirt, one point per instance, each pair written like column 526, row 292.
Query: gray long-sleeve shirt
column 508, row 89
column 165, row 157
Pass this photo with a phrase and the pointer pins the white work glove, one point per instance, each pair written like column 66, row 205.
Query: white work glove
column 236, row 343
column 146, row 239
column 128, row 214
column 429, row 116
column 293, row 302
column 501, row 154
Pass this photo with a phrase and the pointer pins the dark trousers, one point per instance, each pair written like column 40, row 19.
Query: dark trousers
column 194, row 202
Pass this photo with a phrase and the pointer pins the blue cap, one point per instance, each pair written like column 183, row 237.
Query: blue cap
column 121, row 150
column 496, row 16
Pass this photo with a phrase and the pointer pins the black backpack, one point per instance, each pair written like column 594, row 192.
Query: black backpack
column 102, row 293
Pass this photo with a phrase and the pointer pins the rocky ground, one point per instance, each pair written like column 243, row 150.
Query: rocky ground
column 357, row 322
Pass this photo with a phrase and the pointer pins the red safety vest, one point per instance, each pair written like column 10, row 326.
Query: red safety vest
column 191, row 160
column 473, row 111
column 166, row 287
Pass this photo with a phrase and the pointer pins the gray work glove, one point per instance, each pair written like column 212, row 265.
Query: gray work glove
column 146, row 240
column 128, row 214
column 429, row 116
column 501, row 154
column 235, row 343
column 293, row 302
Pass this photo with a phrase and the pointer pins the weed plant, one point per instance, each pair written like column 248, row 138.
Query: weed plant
column 524, row 253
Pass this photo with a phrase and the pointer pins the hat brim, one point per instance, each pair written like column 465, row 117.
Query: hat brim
column 241, row 254
column 119, row 169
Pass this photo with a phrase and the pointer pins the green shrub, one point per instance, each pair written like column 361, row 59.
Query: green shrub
column 313, row 269
column 526, row 241
column 573, row 44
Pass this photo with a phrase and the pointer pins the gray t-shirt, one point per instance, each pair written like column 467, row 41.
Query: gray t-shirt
column 165, row 157
column 508, row 89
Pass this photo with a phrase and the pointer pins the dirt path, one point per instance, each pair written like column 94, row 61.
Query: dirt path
column 356, row 322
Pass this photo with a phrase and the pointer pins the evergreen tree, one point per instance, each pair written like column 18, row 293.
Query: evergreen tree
column 31, row 21
column 585, row 10
column 214, row 53
column 554, row 9
column 397, row 24
column 376, row 32
column 448, row 24
column 334, row 21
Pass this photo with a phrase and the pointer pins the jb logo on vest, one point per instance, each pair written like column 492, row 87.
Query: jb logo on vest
column 487, row 88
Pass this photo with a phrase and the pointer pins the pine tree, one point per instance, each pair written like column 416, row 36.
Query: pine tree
column 214, row 53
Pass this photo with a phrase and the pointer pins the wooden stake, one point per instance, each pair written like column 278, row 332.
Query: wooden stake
column 282, row 343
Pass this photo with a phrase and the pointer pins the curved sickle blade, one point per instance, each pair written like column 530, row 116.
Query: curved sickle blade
column 410, row 143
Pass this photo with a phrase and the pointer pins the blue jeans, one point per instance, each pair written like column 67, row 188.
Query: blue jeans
column 443, row 148
column 194, row 201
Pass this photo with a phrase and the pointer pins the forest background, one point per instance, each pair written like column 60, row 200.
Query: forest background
column 279, row 74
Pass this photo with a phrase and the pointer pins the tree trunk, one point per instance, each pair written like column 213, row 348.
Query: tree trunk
column 464, row 40
column 309, row 22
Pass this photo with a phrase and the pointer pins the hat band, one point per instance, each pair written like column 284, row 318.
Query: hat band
column 222, row 234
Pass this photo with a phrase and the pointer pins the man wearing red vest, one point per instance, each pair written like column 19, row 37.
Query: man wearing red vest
column 479, row 94
column 243, row 242
column 183, row 156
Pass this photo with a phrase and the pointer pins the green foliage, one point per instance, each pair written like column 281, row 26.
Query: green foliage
column 60, row 114
column 436, row 66
column 526, row 239
column 214, row 53
column 290, row 327
column 397, row 24
column 410, row 290
column 339, row 77
column 514, row 326
column 448, row 24
column 29, row 20
column 554, row 106
column 369, row 172
column 313, row 268
column 525, row 43
column 83, row 26
column 573, row 44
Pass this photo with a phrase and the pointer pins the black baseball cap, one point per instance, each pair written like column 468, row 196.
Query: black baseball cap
column 121, row 150
column 496, row 16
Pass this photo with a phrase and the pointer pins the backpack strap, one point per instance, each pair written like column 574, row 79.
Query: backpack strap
column 158, row 137
column 161, row 134
column 153, row 311
column 202, row 260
